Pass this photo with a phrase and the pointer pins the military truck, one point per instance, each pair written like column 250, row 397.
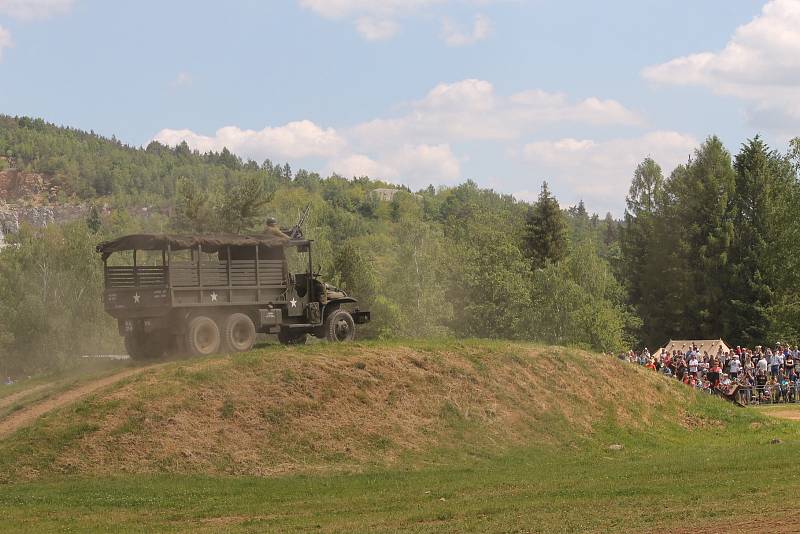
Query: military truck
column 202, row 294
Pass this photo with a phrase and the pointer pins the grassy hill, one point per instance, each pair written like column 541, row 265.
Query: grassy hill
column 324, row 408
column 425, row 436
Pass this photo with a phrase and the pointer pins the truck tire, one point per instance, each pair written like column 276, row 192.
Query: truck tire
column 339, row 327
column 238, row 333
column 287, row 337
column 202, row 336
column 145, row 346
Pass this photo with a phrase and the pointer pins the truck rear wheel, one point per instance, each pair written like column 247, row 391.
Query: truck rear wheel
column 142, row 346
column 339, row 326
column 202, row 336
column 238, row 333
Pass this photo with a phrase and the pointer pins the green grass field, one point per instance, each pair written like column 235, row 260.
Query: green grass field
column 725, row 469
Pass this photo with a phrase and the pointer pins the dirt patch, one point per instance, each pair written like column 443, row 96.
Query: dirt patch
column 763, row 523
column 791, row 414
column 28, row 415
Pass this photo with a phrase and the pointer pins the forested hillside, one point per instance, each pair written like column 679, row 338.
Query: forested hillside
column 710, row 250
column 460, row 261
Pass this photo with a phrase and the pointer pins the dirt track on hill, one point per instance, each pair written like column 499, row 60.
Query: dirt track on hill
column 28, row 415
column 11, row 399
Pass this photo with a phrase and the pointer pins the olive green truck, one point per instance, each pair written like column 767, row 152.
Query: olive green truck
column 202, row 294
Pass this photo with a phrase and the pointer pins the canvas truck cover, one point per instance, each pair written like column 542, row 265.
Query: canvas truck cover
column 211, row 243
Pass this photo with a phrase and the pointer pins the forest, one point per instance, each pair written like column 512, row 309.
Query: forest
column 708, row 250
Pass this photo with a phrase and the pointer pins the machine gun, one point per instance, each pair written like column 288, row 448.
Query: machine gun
column 297, row 229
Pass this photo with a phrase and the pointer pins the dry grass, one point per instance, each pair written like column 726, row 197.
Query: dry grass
column 317, row 409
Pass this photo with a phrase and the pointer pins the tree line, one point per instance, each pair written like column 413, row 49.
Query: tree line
column 711, row 250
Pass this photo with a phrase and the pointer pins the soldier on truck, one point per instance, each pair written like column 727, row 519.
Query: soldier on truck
column 202, row 294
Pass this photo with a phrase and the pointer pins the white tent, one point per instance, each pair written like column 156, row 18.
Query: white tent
column 711, row 346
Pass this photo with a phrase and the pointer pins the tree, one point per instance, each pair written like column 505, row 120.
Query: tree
column 242, row 204
column 93, row 221
column 693, row 235
column 545, row 237
column 640, row 266
column 193, row 212
column 579, row 302
column 750, row 293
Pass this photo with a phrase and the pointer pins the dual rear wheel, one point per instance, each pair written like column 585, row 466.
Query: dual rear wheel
column 204, row 336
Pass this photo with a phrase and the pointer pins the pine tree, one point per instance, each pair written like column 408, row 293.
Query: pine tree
column 546, row 231
column 698, row 231
column 93, row 220
column 750, row 292
column 639, row 243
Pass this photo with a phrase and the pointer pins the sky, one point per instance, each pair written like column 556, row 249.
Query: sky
column 507, row 93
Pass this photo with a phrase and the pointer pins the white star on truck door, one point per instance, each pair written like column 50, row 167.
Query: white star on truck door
column 214, row 297
column 136, row 298
column 293, row 302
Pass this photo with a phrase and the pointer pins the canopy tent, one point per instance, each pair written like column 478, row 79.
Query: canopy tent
column 711, row 346
column 211, row 243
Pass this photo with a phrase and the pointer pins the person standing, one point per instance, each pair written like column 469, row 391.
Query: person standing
column 733, row 368
column 774, row 363
column 693, row 364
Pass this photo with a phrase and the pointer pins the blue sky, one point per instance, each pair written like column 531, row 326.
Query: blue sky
column 505, row 92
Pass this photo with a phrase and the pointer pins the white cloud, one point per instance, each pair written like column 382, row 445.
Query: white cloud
column 379, row 19
column 335, row 9
column 453, row 35
column 28, row 10
column 472, row 110
column 374, row 29
column 760, row 64
column 427, row 143
column 295, row 140
column 5, row 40
column 34, row 9
column 414, row 165
column 601, row 171
column 358, row 165
column 420, row 165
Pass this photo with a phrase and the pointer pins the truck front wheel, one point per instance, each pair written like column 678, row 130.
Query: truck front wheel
column 339, row 326
column 202, row 336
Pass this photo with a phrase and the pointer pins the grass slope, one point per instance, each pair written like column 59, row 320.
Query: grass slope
column 325, row 408
column 427, row 437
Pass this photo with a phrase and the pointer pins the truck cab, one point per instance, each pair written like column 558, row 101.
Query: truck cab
column 201, row 294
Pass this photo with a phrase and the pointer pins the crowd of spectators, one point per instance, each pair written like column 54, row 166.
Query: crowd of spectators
column 760, row 375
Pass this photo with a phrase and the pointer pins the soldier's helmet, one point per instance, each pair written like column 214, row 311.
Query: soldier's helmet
column 272, row 221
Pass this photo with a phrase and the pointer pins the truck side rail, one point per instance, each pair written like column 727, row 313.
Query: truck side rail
column 139, row 276
column 271, row 273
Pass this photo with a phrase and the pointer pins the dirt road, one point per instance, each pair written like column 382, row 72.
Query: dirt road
column 29, row 414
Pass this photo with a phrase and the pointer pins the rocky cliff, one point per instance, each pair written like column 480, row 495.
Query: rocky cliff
column 29, row 197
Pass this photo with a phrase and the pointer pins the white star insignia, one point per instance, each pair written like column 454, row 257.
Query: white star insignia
column 136, row 298
column 214, row 297
column 293, row 302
